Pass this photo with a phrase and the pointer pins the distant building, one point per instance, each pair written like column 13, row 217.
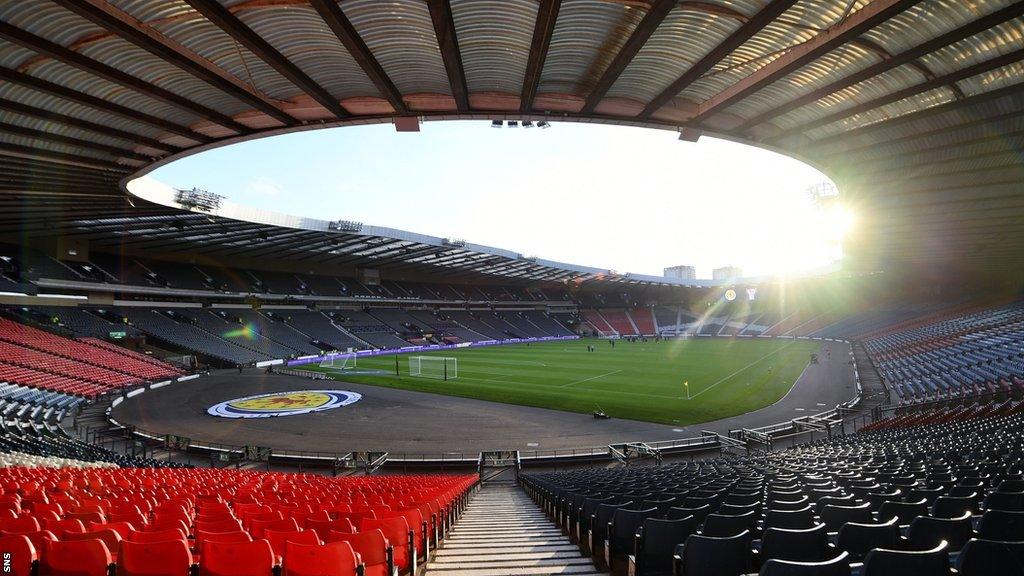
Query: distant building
column 681, row 272
column 726, row 273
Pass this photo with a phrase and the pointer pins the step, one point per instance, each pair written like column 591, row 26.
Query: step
column 503, row 533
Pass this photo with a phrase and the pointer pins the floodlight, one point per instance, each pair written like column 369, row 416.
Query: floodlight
column 543, row 124
column 496, row 123
column 513, row 124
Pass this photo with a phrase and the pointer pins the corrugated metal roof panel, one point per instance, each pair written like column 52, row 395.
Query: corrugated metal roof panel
column 587, row 36
column 494, row 39
column 176, row 20
column 682, row 39
column 803, row 21
column 894, row 110
column 896, row 79
column 61, row 106
column 301, row 35
column 132, row 60
column 841, row 62
column 64, row 75
column 402, row 40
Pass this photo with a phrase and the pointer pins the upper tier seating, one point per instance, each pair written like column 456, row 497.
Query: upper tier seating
column 472, row 320
column 619, row 321
column 643, row 320
column 227, row 326
column 183, row 334
column 925, row 491
column 597, row 321
column 273, row 327
column 548, row 324
column 368, row 328
column 320, row 328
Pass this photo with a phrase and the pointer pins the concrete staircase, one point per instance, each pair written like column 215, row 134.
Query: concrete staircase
column 503, row 533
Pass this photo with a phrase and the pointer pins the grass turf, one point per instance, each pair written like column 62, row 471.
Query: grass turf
column 639, row 381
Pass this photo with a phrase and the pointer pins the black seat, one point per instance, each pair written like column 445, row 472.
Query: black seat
column 587, row 511
column 599, row 527
column 882, row 562
column 859, row 539
column 796, row 504
column 658, row 541
column 989, row 557
column 742, row 499
column 737, row 509
column 791, row 519
column 929, row 495
column 926, row 532
column 723, row 525
column 1013, row 501
column 622, row 531
column 810, row 545
column 904, row 512
column 835, row 516
column 838, row 566
column 699, row 513
column 707, row 556
column 846, row 500
column 1002, row 525
column 954, row 506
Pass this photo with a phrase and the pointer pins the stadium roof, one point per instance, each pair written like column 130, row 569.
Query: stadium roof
column 915, row 108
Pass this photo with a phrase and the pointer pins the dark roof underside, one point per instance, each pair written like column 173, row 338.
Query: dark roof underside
column 913, row 107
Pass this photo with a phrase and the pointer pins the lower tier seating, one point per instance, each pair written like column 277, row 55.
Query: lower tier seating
column 74, row 521
column 915, row 499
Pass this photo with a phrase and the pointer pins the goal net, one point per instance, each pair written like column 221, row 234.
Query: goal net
column 339, row 362
column 438, row 367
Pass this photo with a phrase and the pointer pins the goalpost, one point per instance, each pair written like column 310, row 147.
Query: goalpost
column 339, row 362
column 437, row 367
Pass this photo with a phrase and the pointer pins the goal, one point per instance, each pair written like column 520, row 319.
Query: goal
column 339, row 362
column 437, row 367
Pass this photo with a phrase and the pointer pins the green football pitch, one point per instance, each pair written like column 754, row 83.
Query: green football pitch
column 639, row 381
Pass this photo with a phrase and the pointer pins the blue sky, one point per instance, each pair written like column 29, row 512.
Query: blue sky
column 628, row 199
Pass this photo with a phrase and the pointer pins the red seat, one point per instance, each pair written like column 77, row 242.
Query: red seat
column 109, row 537
column 335, row 559
column 123, row 529
column 225, row 537
column 227, row 525
column 86, row 517
column 37, row 538
column 62, row 527
column 22, row 554
column 396, row 530
column 373, row 550
column 19, row 525
column 236, row 559
column 278, row 539
column 134, row 518
column 169, row 524
column 75, row 558
column 167, row 558
column 258, row 527
column 323, row 527
column 157, row 536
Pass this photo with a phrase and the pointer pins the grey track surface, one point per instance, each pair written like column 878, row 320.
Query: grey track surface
column 405, row 422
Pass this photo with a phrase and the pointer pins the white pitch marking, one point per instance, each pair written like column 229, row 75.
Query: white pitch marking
column 591, row 378
column 779, row 349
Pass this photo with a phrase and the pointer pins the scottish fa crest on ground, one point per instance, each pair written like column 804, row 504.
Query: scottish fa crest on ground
column 283, row 403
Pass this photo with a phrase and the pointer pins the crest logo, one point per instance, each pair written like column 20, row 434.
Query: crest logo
column 283, row 403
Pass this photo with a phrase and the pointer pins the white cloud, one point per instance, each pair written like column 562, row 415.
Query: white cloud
column 263, row 186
